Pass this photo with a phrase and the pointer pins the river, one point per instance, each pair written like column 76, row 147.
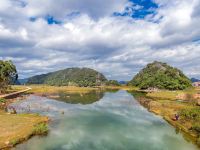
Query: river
column 112, row 121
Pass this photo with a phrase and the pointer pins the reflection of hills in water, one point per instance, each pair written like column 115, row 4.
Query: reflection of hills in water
column 137, row 94
column 82, row 98
column 76, row 98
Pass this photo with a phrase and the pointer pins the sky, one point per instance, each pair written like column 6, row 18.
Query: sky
column 115, row 37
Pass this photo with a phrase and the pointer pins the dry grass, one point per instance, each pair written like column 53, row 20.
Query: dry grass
column 173, row 95
column 123, row 87
column 18, row 87
column 169, row 95
column 45, row 89
column 15, row 128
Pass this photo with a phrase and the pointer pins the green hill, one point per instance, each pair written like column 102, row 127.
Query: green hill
column 162, row 76
column 71, row 76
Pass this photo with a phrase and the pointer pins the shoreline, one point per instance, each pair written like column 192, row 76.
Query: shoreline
column 150, row 104
column 37, row 124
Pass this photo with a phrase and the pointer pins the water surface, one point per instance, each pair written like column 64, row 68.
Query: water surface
column 115, row 122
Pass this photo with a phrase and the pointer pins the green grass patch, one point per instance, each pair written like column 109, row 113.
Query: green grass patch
column 196, row 127
column 15, row 142
column 40, row 129
column 191, row 113
column 2, row 100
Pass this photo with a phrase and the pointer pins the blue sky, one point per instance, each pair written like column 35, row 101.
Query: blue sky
column 115, row 37
column 139, row 9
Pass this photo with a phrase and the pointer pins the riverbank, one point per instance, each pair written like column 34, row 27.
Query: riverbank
column 16, row 128
column 181, row 103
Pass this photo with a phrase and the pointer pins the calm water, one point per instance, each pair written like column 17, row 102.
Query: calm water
column 115, row 122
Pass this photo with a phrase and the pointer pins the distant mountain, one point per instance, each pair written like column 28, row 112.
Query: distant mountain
column 195, row 80
column 71, row 76
column 16, row 82
column 123, row 82
column 22, row 81
column 162, row 76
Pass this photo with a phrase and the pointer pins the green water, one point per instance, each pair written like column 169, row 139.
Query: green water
column 115, row 122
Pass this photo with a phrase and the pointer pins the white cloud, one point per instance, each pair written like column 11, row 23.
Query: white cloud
column 116, row 46
column 95, row 9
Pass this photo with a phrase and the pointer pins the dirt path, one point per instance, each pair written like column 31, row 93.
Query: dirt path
column 15, row 93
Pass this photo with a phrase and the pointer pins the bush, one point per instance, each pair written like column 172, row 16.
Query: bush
column 2, row 100
column 196, row 127
column 192, row 113
column 112, row 83
column 40, row 129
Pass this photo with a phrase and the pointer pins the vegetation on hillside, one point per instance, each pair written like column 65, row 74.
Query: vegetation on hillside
column 162, row 76
column 112, row 83
column 8, row 74
column 82, row 77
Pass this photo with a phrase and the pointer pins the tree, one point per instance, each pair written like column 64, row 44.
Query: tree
column 112, row 83
column 8, row 74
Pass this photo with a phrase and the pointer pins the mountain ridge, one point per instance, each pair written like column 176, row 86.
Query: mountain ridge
column 70, row 76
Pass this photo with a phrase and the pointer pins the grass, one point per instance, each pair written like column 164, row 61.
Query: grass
column 167, row 95
column 19, row 127
column 2, row 100
column 45, row 89
column 40, row 129
column 173, row 95
column 14, row 88
column 48, row 90
column 122, row 87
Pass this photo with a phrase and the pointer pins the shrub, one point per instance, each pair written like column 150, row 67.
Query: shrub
column 191, row 113
column 2, row 100
column 40, row 129
column 196, row 127
column 14, row 142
